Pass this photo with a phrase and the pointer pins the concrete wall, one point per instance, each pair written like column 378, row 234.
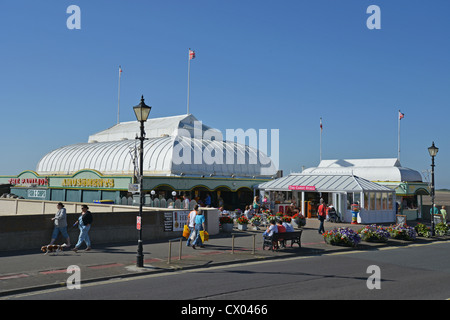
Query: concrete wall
column 28, row 230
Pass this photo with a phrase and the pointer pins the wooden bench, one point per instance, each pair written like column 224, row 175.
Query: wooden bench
column 282, row 236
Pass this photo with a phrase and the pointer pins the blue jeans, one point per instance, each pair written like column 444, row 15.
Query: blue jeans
column 57, row 230
column 84, row 236
column 198, row 239
column 191, row 229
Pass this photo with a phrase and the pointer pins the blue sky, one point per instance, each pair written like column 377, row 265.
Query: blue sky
column 259, row 64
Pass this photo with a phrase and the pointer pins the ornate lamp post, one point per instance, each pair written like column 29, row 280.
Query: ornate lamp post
column 142, row 111
column 433, row 152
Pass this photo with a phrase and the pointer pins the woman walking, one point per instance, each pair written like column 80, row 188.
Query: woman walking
column 199, row 226
column 84, row 224
column 60, row 221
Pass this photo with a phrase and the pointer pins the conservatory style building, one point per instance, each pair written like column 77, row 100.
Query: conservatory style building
column 104, row 167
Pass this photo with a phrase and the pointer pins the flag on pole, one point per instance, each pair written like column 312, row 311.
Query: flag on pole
column 191, row 54
column 400, row 115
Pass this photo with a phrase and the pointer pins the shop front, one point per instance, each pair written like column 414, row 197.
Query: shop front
column 91, row 186
column 304, row 191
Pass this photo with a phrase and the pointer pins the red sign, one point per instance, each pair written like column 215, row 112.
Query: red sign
column 138, row 222
column 302, row 188
column 27, row 181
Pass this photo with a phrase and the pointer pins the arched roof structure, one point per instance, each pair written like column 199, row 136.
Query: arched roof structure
column 112, row 152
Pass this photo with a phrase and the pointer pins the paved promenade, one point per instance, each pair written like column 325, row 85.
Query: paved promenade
column 24, row 271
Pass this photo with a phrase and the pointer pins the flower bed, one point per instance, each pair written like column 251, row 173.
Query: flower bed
column 299, row 219
column 402, row 232
column 242, row 220
column 374, row 233
column 342, row 237
column 441, row 229
column 422, row 230
column 256, row 220
column 225, row 219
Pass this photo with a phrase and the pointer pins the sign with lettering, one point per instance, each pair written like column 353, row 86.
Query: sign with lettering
column 302, row 188
column 101, row 183
column 28, row 181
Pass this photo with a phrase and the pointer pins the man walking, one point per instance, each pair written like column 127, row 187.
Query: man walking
column 322, row 214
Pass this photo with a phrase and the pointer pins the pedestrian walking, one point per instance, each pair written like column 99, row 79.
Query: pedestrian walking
column 256, row 204
column 444, row 214
column 434, row 210
column 322, row 214
column 191, row 223
column 60, row 222
column 199, row 226
column 84, row 224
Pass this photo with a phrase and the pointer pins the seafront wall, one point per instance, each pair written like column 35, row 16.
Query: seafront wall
column 27, row 224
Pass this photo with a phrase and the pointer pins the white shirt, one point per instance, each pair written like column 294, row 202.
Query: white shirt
column 192, row 215
column 272, row 229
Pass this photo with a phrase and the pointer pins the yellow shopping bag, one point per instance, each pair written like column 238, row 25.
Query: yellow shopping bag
column 204, row 235
column 186, row 231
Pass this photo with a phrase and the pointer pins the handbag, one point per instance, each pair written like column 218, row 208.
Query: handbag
column 193, row 235
column 204, row 235
column 186, row 231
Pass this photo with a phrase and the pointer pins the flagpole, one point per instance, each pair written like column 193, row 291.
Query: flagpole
column 189, row 77
column 320, row 140
column 398, row 152
column 118, row 98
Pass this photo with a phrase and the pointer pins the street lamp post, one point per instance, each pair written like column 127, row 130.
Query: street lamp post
column 141, row 111
column 433, row 150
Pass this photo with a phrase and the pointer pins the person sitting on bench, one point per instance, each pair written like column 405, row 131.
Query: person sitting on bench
column 270, row 230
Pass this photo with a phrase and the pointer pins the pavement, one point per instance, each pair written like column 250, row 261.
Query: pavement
column 25, row 271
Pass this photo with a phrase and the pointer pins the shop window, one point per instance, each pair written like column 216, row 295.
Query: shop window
column 372, row 201
column 390, row 201
column 384, row 200
column 378, row 201
column 349, row 200
column 357, row 197
column 366, row 201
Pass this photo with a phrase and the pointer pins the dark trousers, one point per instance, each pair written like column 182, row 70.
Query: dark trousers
column 321, row 228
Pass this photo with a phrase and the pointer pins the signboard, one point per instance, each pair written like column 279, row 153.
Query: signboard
column 168, row 221
column 94, row 183
column 302, row 188
column 175, row 220
column 138, row 223
column 134, row 187
column 28, row 181
column 41, row 194
column 401, row 219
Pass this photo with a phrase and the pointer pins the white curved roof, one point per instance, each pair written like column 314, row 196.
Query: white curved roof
column 388, row 169
column 162, row 156
column 324, row 183
column 154, row 128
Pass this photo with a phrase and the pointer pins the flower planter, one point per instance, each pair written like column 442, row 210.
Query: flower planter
column 227, row 227
column 242, row 227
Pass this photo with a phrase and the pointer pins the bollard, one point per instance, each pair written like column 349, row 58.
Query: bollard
column 254, row 243
column 169, row 258
column 232, row 244
column 170, row 251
